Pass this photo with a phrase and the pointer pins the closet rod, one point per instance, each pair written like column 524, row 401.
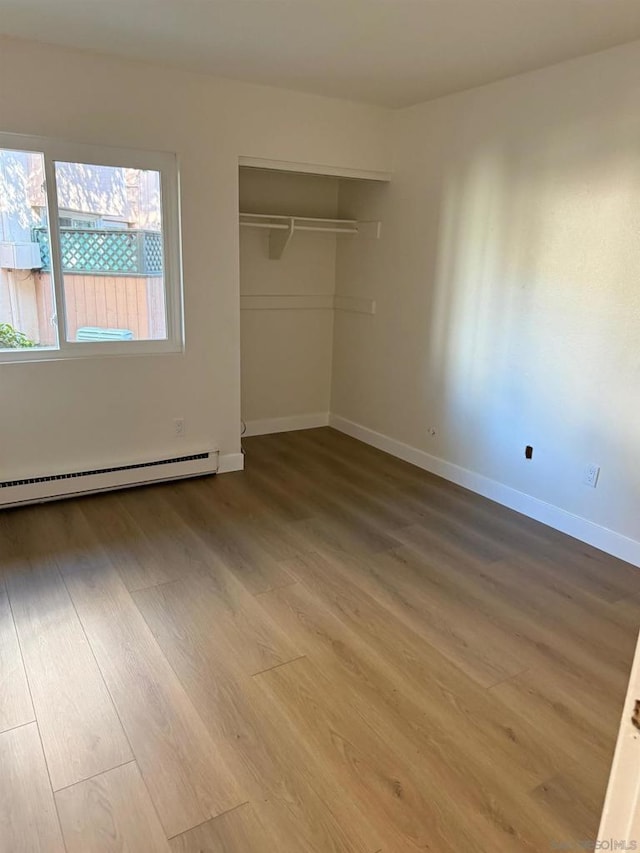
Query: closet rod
column 282, row 228
column 268, row 225
column 296, row 227
column 300, row 218
column 326, row 230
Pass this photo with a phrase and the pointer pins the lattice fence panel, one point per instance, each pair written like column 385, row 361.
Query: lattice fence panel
column 104, row 252
column 152, row 253
column 41, row 236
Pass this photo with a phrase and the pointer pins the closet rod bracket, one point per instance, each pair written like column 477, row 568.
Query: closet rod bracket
column 279, row 239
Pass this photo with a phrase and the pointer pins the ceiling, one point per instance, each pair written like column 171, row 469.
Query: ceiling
column 388, row 52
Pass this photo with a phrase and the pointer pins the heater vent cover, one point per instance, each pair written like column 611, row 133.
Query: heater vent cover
column 30, row 480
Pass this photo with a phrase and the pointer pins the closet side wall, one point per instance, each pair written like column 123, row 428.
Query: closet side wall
column 286, row 351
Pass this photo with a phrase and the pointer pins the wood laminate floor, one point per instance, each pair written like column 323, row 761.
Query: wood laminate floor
column 330, row 652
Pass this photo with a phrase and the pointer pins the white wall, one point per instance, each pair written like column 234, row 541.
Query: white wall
column 507, row 283
column 286, row 352
column 68, row 414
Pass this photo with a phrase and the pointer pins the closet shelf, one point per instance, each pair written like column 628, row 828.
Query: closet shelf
column 282, row 228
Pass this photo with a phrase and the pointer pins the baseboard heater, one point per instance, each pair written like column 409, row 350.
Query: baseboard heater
column 52, row 486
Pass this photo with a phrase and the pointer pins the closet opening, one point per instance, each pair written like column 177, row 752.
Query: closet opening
column 298, row 234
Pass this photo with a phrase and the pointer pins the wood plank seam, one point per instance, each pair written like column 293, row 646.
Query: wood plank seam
column 35, row 722
column 151, row 799
column 195, row 711
column 46, row 764
column 55, row 760
column 22, row 662
column 19, row 726
column 277, row 665
column 29, row 788
column 106, row 686
column 134, row 816
column 95, row 775
column 210, row 820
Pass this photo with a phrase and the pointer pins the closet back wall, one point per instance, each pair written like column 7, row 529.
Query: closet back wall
column 287, row 333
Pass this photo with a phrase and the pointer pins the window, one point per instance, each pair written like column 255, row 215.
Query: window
column 89, row 251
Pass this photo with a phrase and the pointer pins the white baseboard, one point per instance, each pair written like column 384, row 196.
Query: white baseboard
column 269, row 425
column 580, row 528
column 228, row 462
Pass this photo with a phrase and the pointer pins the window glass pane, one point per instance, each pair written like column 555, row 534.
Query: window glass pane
column 112, row 252
column 27, row 302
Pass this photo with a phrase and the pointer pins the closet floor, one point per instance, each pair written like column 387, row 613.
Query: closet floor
column 330, row 651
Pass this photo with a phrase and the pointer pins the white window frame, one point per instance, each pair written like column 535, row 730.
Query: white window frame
column 167, row 165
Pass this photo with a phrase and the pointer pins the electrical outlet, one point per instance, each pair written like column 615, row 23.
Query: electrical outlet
column 178, row 426
column 591, row 475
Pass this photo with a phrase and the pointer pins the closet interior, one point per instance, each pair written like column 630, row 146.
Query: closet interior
column 294, row 234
